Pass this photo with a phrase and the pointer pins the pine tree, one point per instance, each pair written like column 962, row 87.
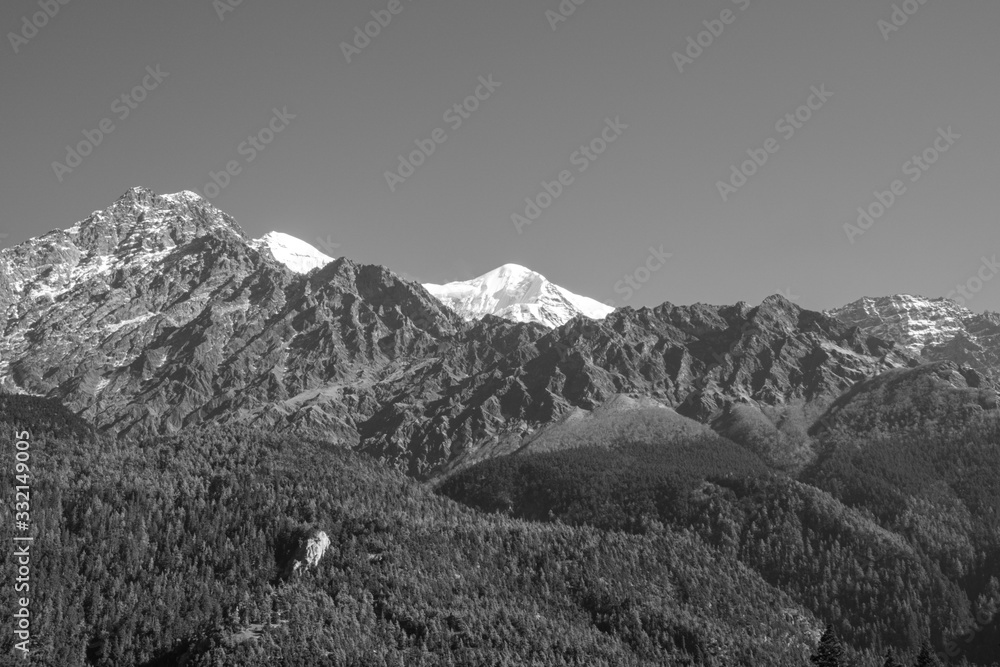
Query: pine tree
column 890, row 660
column 926, row 658
column 829, row 653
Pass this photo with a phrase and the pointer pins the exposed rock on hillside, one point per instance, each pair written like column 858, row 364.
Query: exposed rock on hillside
column 311, row 549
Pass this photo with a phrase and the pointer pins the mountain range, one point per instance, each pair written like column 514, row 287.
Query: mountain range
column 245, row 451
column 160, row 313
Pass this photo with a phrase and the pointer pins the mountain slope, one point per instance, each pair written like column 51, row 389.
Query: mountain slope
column 517, row 294
column 621, row 418
column 698, row 360
column 942, row 393
column 887, row 564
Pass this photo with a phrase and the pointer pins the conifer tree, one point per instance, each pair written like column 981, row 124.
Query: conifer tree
column 890, row 660
column 829, row 653
column 926, row 658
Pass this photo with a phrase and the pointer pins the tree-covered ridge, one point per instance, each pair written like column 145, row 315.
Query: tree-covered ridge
column 891, row 541
column 148, row 552
column 930, row 397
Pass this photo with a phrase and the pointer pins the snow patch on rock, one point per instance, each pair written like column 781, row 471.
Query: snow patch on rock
column 294, row 253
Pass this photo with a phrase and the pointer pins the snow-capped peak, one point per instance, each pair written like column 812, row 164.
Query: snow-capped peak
column 519, row 294
column 294, row 253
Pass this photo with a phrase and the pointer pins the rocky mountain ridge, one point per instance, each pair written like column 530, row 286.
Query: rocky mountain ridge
column 931, row 329
column 160, row 313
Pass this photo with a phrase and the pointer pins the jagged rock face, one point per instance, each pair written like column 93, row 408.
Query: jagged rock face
column 697, row 359
column 936, row 329
column 311, row 550
column 160, row 313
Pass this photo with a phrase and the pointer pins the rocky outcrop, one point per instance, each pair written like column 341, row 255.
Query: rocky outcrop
column 311, row 549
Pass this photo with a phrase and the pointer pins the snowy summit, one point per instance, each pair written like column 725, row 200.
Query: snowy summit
column 519, row 294
column 294, row 253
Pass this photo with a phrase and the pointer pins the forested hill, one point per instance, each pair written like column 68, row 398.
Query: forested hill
column 893, row 539
column 179, row 550
column 171, row 551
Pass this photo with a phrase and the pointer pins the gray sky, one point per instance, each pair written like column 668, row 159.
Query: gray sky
column 656, row 184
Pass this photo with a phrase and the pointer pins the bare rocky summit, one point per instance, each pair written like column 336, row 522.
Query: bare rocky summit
column 933, row 329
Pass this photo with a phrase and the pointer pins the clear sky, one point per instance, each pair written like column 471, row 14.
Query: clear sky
column 886, row 94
